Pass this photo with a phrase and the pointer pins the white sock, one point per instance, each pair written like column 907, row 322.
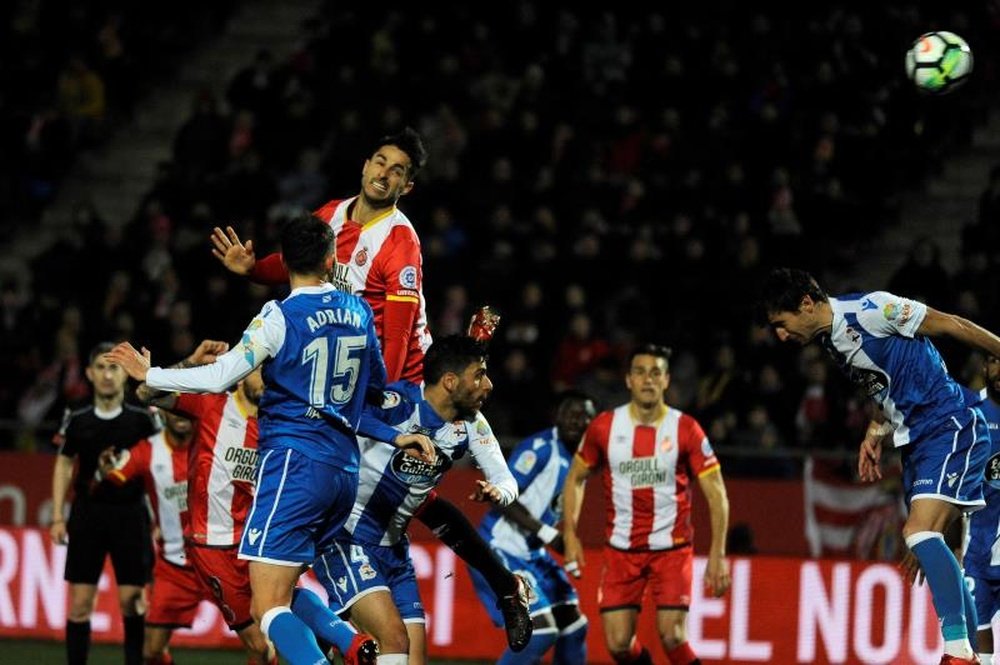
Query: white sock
column 393, row 659
column 986, row 659
column 961, row 648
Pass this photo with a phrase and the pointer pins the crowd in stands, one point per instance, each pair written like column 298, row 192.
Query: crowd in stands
column 601, row 176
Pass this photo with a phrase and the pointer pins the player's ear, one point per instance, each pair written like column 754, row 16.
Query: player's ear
column 406, row 188
column 806, row 304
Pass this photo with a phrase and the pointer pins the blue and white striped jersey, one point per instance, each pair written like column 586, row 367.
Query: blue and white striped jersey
column 874, row 340
column 393, row 485
column 320, row 355
column 539, row 464
column 982, row 553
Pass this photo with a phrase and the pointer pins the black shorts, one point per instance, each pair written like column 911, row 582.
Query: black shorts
column 98, row 529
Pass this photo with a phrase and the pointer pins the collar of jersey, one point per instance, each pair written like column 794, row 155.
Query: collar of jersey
column 325, row 287
column 429, row 418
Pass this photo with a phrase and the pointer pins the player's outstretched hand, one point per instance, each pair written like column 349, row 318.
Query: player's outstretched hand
column 106, row 461
column 419, row 446
column 486, row 492
column 207, row 352
column 58, row 533
column 135, row 364
column 717, row 575
column 231, row 252
column 869, row 459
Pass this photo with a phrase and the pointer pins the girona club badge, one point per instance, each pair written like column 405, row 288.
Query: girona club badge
column 361, row 257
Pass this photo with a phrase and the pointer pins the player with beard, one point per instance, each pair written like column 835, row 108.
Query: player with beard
column 367, row 573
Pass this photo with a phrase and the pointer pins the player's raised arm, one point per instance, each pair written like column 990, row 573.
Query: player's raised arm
column 239, row 257
column 937, row 323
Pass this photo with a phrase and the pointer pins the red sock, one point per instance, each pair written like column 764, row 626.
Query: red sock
column 637, row 654
column 682, row 655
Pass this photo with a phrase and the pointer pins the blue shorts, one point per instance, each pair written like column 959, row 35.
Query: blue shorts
column 949, row 464
column 349, row 571
column 986, row 594
column 550, row 586
column 297, row 501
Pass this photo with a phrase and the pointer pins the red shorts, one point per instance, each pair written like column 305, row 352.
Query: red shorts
column 226, row 580
column 174, row 595
column 625, row 575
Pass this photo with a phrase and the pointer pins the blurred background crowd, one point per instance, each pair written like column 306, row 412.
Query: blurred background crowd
column 601, row 176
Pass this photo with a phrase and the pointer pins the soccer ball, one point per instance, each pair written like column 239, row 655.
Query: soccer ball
column 938, row 62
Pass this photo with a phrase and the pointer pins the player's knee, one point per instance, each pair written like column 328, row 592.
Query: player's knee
column 393, row 640
column 619, row 646
column 672, row 634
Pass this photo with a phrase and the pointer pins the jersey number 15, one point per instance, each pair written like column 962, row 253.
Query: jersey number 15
column 344, row 370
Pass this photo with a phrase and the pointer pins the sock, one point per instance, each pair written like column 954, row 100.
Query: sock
column 945, row 581
column 454, row 530
column 77, row 642
column 393, row 659
column 135, row 626
column 985, row 659
column 321, row 619
column 682, row 655
column 291, row 637
column 637, row 654
column 571, row 647
column 541, row 640
column 971, row 616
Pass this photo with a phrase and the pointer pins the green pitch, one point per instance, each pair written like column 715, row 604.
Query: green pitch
column 27, row 652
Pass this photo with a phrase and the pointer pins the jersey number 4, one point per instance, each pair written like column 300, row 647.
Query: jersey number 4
column 344, row 370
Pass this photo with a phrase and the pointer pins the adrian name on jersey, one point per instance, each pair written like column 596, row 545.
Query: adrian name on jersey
column 643, row 471
column 324, row 317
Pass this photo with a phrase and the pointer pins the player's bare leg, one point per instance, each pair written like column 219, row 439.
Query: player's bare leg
column 377, row 615
column 619, row 635
column 417, row 632
column 672, row 627
column 154, row 645
column 272, row 585
column 928, row 520
column 132, row 603
column 259, row 650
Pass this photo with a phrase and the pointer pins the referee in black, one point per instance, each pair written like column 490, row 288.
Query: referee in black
column 104, row 520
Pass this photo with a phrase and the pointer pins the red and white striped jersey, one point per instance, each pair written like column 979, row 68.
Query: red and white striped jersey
column 163, row 469
column 384, row 264
column 223, row 464
column 646, row 472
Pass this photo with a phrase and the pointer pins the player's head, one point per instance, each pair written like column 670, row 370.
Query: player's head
column 991, row 373
column 178, row 426
column 648, row 374
column 456, row 364
column 574, row 412
column 107, row 378
column 789, row 302
column 391, row 168
column 307, row 245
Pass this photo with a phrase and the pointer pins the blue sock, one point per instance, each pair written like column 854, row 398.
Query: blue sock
column 292, row 638
column 541, row 640
column 971, row 616
column 308, row 607
column 944, row 579
column 571, row 647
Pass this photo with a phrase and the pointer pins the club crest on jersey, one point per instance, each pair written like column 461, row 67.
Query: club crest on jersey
column 390, row 399
column 408, row 277
column 853, row 335
column 361, row 257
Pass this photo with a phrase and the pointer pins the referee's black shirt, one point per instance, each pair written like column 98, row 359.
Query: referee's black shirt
column 85, row 433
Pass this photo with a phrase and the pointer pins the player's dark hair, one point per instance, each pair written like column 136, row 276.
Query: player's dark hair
column 655, row 350
column 452, row 353
column 306, row 242
column 99, row 350
column 571, row 395
column 408, row 140
column 782, row 291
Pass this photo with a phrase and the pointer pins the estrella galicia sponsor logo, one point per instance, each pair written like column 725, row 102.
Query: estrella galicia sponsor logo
column 993, row 469
column 413, row 471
